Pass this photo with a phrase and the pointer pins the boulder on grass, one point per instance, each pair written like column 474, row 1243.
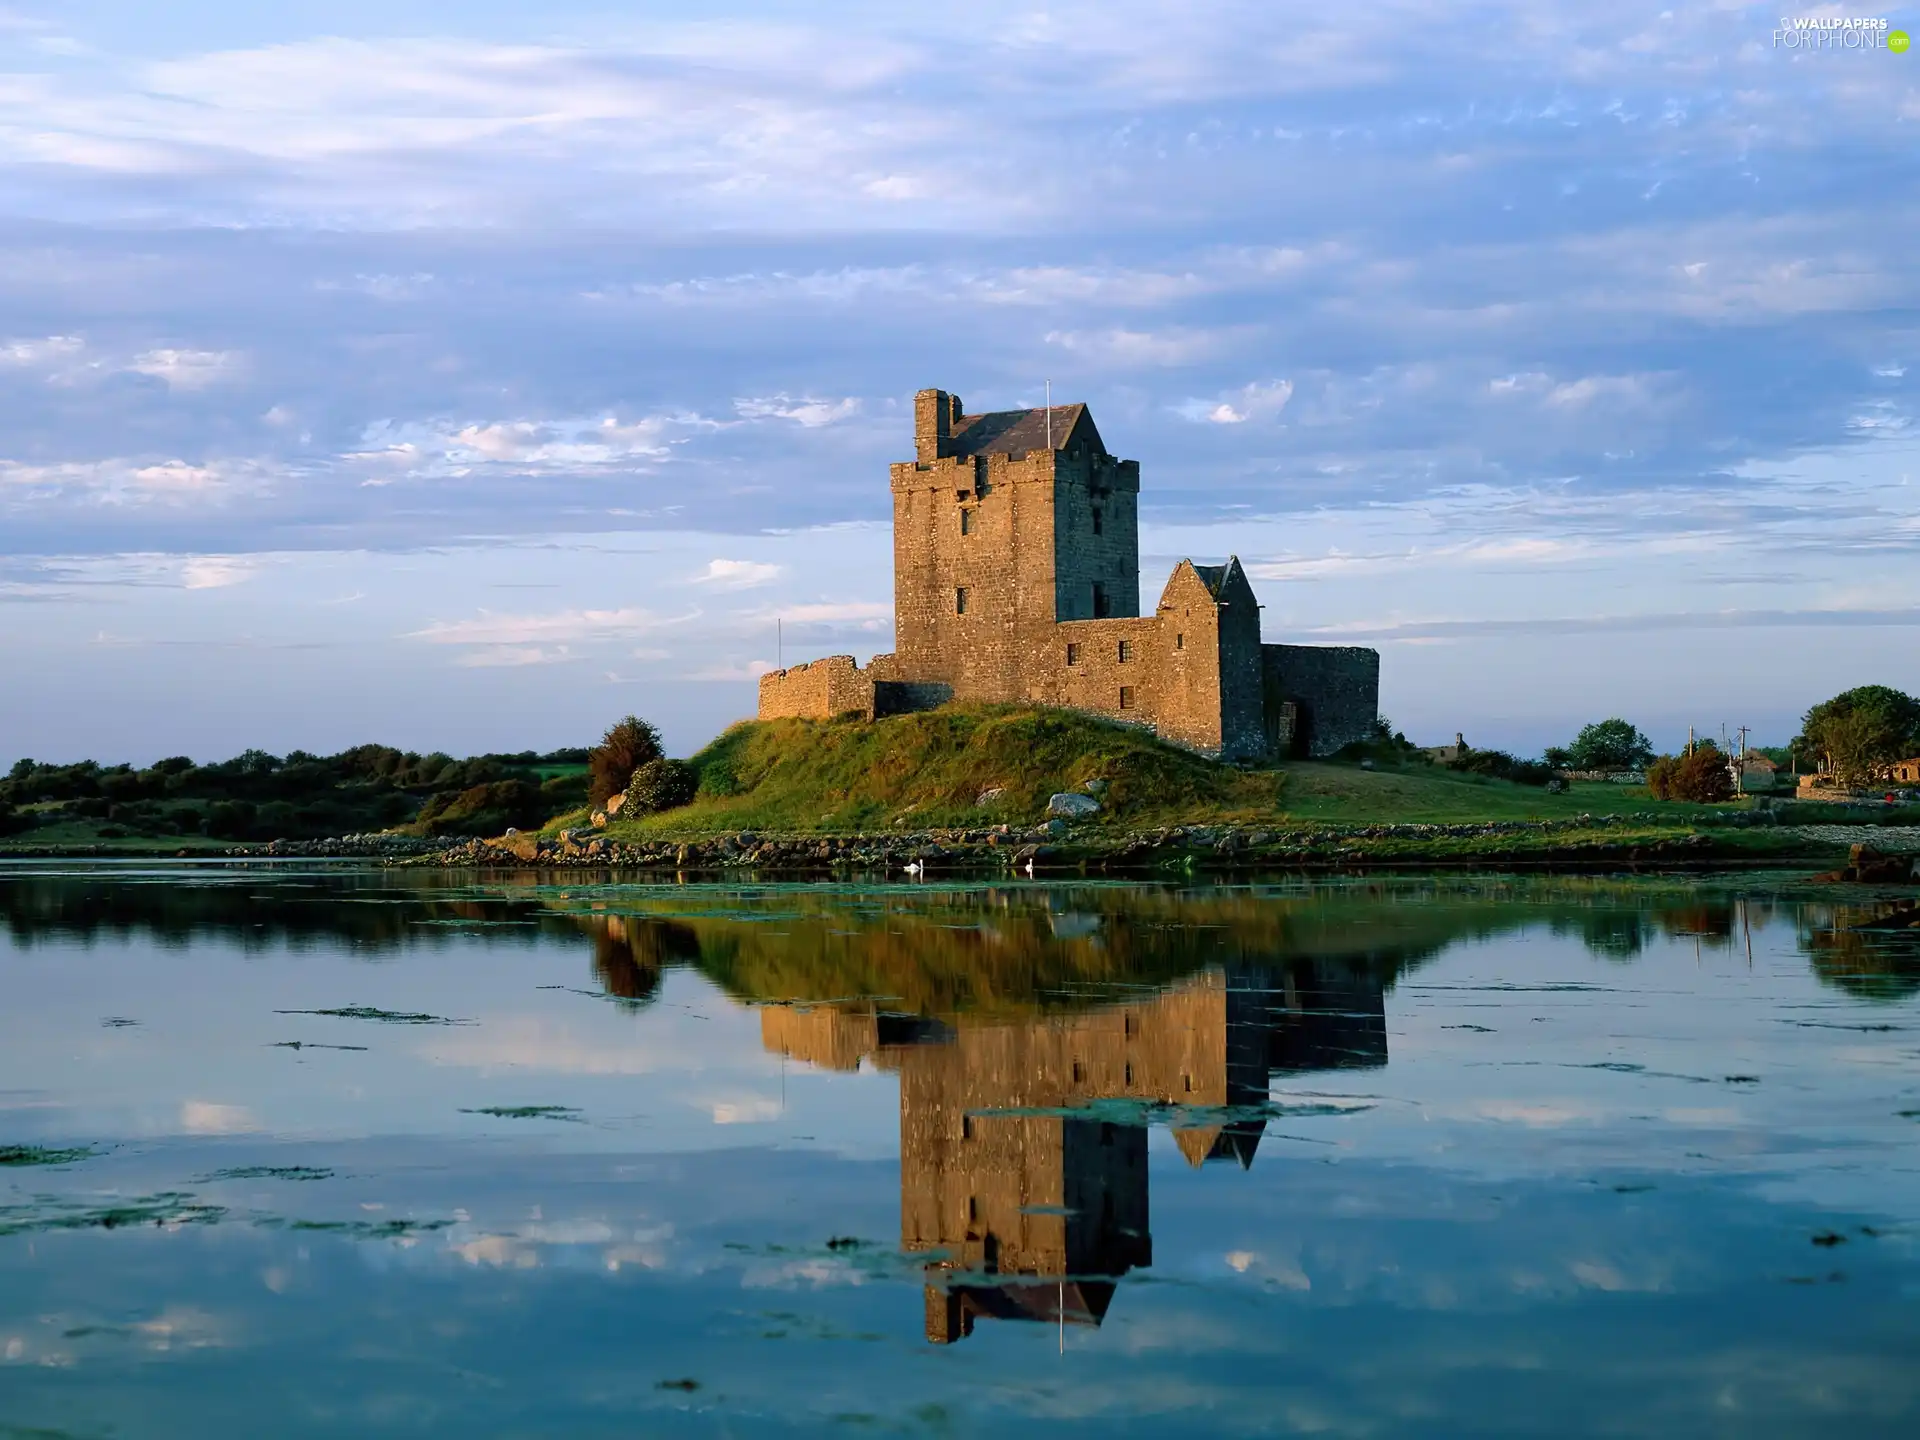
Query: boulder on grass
column 1072, row 806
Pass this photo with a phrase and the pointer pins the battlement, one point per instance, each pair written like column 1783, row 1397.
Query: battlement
column 820, row 689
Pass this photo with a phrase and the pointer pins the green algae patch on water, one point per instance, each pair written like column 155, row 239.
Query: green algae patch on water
column 370, row 1229
column 42, row 1155
column 268, row 1172
column 167, row 1209
column 385, row 1017
column 528, row 1112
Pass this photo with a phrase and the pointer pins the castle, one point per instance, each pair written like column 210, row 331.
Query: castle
column 1023, row 1145
column 1016, row 565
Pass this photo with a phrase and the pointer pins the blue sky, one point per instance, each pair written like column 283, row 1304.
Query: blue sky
column 464, row 377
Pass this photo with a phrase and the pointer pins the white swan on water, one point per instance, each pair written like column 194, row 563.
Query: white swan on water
column 915, row 868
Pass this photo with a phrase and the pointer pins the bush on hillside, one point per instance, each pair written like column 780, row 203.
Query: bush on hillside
column 564, row 792
column 624, row 749
column 1386, row 746
column 485, row 810
column 1501, row 766
column 661, row 785
column 1701, row 778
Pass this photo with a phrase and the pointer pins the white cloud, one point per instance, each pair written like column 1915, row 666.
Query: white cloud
column 1128, row 349
column 490, row 628
column 392, row 450
column 737, row 574
column 51, row 348
column 516, row 655
column 186, row 369
column 123, row 481
column 732, row 670
column 809, row 412
column 216, row 572
column 867, row 613
column 1627, row 389
column 1261, row 400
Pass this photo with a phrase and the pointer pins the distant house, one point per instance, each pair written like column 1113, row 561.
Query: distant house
column 1907, row 772
column 1757, row 772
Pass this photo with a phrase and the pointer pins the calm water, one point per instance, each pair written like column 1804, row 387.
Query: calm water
column 1427, row 1157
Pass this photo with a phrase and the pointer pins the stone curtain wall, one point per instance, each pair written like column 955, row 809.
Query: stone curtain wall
column 818, row 690
column 1335, row 689
column 1093, row 682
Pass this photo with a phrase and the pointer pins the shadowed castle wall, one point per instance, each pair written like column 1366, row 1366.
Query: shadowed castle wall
column 1335, row 690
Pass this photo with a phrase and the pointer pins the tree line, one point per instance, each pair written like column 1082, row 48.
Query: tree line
column 260, row 796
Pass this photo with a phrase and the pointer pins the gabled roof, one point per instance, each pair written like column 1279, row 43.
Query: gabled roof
column 1213, row 577
column 1014, row 432
column 1237, row 1141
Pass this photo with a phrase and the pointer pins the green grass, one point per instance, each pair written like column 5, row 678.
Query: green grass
column 927, row 770
column 1319, row 792
column 74, row 831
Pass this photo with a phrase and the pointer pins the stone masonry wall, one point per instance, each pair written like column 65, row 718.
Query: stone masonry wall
column 817, row 690
column 1335, row 689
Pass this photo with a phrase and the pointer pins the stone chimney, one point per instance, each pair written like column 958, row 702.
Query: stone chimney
column 934, row 412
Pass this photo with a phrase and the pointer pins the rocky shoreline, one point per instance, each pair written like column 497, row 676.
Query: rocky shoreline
column 1063, row 847
column 1058, row 848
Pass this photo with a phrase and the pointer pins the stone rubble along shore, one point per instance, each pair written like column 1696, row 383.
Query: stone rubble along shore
column 376, row 846
column 1006, row 847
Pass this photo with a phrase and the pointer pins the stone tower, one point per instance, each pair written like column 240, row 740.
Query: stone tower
column 1005, row 524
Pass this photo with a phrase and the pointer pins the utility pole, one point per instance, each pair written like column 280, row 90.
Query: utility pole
column 779, row 644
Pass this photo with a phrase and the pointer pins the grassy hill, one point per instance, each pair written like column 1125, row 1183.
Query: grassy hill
column 929, row 770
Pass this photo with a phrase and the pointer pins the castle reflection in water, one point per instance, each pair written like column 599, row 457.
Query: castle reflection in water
column 1023, row 1145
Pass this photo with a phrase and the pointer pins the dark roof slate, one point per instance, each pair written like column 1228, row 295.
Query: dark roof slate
column 1013, row 432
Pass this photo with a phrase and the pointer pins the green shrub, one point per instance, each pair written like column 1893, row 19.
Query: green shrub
column 661, row 785
column 565, row 792
column 1701, row 778
column 484, row 810
column 230, row 820
column 621, row 751
column 1501, row 766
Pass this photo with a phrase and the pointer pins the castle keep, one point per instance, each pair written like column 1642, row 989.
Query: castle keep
column 1016, row 565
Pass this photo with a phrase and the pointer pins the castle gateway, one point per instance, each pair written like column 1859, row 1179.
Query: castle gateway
column 1016, row 578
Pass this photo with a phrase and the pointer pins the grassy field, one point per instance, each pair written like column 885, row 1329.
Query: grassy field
column 1339, row 794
